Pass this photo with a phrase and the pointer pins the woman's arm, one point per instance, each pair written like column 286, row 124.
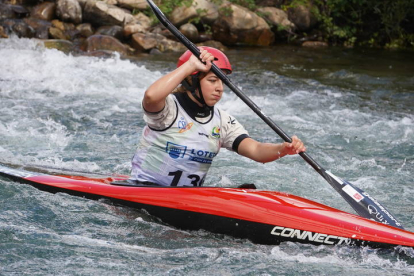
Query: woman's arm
column 154, row 97
column 267, row 152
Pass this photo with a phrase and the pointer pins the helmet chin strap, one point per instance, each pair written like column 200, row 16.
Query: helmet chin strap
column 193, row 89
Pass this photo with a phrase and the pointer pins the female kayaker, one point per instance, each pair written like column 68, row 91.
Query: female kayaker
column 185, row 130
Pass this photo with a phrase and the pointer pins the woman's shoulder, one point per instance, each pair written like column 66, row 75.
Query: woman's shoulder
column 225, row 116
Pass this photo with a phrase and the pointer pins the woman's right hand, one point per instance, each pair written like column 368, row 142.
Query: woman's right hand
column 205, row 64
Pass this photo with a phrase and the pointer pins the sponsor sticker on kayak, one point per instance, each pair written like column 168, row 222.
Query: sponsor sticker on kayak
column 297, row 234
column 353, row 193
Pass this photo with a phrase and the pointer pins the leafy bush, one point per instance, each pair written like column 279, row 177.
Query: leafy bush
column 385, row 23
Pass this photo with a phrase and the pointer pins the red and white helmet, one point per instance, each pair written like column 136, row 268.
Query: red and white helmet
column 220, row 59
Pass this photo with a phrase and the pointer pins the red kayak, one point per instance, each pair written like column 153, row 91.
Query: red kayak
column 264, row 217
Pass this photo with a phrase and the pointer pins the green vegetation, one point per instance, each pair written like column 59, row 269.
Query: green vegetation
column 374, row 23
column 250, row 4
column 167, row 7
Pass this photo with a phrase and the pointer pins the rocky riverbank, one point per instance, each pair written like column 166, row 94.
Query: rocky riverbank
column 98, row 27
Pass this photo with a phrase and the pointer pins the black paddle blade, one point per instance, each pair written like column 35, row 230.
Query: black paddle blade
column 365, row 205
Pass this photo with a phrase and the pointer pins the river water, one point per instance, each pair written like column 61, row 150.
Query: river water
column 82, row 115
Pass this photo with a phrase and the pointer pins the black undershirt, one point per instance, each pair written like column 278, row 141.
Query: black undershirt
column 192, row 108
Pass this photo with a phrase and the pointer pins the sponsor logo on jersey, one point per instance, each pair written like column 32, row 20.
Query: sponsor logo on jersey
column 297, row 234
column 175, row 151
column 215, row 133
column 202, row 156
column 183, row 125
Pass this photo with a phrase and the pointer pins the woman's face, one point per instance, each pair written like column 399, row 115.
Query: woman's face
column 212, row 88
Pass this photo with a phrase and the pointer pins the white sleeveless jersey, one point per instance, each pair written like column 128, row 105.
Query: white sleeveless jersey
column 179, row 155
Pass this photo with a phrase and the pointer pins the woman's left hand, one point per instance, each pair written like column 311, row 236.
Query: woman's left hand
column 295, row 147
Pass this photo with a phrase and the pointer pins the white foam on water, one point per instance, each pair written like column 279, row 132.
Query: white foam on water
column 375, row 261
column 367, row 163
column 234, row 105
column 56, row 132
column 29, row 70
column 289, row 118
column 36, row 132
column 299, row 95
column 366, row 182
column 279, row 253
column 123, row 167
column 78, row 240
column 50, row 160
column 46, row 92
column 70, row 165
column 369, row 258
column 330, row 93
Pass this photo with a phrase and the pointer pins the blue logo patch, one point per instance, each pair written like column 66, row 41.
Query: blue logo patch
column 175, row 151
column 182, row 123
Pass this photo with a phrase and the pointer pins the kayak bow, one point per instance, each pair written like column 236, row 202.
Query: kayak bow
column 265, row 217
